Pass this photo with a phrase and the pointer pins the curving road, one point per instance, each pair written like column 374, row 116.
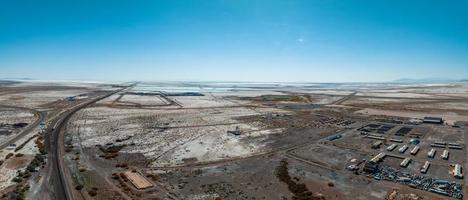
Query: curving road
column 40, row 117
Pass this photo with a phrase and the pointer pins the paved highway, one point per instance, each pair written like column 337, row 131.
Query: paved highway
column 61, row 180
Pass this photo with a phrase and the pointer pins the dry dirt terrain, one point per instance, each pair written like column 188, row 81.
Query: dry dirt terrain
column 235, row 141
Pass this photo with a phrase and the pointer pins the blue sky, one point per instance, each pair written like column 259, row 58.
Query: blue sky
column 234, row 40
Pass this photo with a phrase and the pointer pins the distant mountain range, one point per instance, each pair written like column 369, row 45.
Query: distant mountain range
column 7, row 82
column 430, row 80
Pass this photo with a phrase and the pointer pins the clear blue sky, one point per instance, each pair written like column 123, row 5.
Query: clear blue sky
column 234, row 40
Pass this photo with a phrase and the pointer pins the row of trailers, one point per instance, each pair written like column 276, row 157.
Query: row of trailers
column 415, row 150
column 403, row 149
column 457, row 169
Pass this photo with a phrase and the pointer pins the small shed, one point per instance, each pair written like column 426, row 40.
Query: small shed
column 433, row 120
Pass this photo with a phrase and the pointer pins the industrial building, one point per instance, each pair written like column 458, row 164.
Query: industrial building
column 396, row 140
column 438, row 145
column 403, row 149
column 11, row 147
column 455, row 147
column 377, row 158
column 403, row 131
column 457, row 171
column 376, row 137
column 72, row 98
column 431, row 153
column 445, row 155
column 433, row 120
column 425, row 167
column 415, row 150
column 376, row 144
column 391, row 147
column 331, row 138
column 405, row 162
column 139, row 181
column 414, row 141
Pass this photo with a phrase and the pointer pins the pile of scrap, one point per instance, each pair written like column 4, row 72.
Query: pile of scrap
column 438, row 186
column 396, row 195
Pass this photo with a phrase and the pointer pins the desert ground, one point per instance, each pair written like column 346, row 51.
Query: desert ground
column 197, row 140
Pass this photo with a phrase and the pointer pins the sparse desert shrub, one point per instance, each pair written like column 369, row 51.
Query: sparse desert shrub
column 122, row 165
column 9, row 155
column 17, row 179
column 153, row 177
column 79, row 187
column 26, row 175
column 300, row 190
column 92, row 193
